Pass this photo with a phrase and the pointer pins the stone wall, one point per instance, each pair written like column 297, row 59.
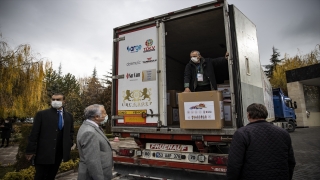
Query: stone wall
column 296, row 93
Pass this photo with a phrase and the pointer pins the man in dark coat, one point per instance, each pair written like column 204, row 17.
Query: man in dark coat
column 51, row 139
column 201, row 73
column 260, row 150
column 6, row 132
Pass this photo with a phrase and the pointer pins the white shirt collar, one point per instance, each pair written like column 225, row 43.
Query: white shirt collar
column 92, row 122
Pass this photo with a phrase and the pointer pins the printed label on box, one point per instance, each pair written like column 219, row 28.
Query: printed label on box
column 168, row 99
column 175, row 115
column 225, row 91
column 199, row 110
column 227, row 113
column 221, row 109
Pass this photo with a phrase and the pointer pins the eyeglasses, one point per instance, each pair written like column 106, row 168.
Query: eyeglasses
column 56, row 99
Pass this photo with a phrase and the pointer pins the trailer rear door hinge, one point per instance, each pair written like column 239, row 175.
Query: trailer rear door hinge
column 231, row 61
column 196, row 138
column 118, row 76
column 135, row 135
column 119, row 39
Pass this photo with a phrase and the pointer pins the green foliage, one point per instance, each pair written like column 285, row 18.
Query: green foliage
column 74, row 154
column 22, row 162
column 274, row 61
column 21, row 87
column 278, row 79
column 24, row 174
column 66, row 166
column 5, row 169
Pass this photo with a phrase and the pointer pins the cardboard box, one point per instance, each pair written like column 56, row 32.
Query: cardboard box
column 201, row 110
column 225, row 88
column 172, row 98
column 227, row 114
column 172, row 115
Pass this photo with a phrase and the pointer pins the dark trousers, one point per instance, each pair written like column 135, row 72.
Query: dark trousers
column 203, row 88
column 5, row 139
column 48, row 171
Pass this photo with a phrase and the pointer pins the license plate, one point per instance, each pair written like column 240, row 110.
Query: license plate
column 168, row 155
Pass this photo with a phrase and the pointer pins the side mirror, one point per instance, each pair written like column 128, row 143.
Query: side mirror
column 295, row 105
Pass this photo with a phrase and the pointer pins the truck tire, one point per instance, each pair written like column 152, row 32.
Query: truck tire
column 291, row 126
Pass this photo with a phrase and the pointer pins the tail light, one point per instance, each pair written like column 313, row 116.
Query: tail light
column 218, row 160
column 126, row 152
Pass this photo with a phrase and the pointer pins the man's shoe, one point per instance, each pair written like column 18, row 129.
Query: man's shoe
column 1, row 146
column 6, row 146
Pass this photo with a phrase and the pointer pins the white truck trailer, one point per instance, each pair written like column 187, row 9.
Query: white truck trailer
column 149, row 58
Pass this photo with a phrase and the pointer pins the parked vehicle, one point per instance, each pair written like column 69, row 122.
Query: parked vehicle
column 149, row 59
column 29, row 120
column 284, row 110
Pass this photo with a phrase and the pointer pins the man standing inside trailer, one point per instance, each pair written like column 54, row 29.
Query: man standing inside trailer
column 199, row 74
column 260, row 150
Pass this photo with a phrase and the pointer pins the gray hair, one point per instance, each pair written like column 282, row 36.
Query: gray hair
column 196, row 52
column 92, row 111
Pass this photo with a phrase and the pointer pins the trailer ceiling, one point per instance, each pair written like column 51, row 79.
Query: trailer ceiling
column 203, row 32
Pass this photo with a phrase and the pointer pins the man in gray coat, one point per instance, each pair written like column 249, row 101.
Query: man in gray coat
column 94, row 148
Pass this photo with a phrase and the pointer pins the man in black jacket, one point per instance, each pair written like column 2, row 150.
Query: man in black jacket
column 51, row 139
column 260, row 150
column 200, row 73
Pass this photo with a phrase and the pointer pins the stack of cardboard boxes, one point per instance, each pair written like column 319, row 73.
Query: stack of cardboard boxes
column 200, row 110
column 172, row 107
column 225, row 89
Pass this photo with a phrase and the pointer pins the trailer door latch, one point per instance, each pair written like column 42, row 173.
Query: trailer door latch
column 144, row 115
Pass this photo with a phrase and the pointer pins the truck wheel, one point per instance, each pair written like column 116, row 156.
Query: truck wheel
column 291, row 126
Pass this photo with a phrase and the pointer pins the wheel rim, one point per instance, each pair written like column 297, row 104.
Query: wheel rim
column 290, row 126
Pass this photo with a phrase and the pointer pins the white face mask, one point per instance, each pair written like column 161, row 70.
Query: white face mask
column 56, row 104
column 6, row 121
column 194, row 59
column 105, row 120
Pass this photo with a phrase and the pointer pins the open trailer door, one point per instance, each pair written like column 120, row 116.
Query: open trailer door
column 136, row 91
column 246, row 64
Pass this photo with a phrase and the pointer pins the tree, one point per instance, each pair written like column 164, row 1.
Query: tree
column 21, row 77
column 106, row 98
column 274, row 61
column 279, row 77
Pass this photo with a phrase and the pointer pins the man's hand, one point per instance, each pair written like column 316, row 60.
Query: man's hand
column 187, row 90
column 29, row 156
column 227, row 55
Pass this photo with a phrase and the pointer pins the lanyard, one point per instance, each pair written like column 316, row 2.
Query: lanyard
column 199, row 68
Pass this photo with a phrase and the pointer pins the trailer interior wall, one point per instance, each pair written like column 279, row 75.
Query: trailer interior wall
column 203, row 32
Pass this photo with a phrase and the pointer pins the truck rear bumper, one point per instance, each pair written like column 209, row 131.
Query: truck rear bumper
column 165, row 172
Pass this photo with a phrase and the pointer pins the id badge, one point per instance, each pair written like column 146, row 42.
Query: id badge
column 200, row 77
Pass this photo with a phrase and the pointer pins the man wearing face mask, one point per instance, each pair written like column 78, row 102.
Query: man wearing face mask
column 94, row 148
column 199, row 74
column 51, row 139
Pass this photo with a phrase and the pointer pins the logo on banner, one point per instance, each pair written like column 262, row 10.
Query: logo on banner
column 137, row 98
column 133, row 63
column 149, row 60
column 133, row 76
column 133, row 49
column 149, row 46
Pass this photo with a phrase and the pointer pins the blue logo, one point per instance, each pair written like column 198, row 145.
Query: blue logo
column 133, row 49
